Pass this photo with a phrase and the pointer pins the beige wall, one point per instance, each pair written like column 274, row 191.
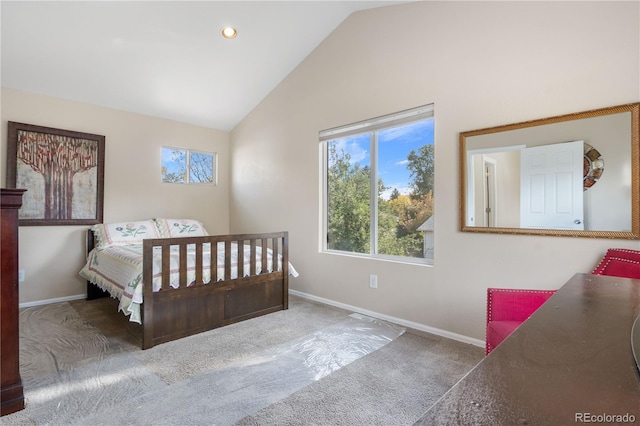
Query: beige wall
column 52, row 255
column 482, row 64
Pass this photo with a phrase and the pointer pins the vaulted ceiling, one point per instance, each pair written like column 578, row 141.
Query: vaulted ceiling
column 163, row 58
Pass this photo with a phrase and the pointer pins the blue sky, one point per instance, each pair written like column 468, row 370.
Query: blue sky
column 169, row 161
column 394, row 145
column 174, row 160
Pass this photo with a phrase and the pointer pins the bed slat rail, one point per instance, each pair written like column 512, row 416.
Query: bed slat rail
column 252, row 259
column 212, row 263
column 199, row 263
column 264, row 254
column 227, row 260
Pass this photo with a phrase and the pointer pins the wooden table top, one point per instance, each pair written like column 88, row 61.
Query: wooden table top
column 570, row 362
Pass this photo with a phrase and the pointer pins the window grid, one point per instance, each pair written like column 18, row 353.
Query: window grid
column 179, row 166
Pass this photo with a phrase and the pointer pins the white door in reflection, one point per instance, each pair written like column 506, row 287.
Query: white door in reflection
column 490, row 216
column 551, row 191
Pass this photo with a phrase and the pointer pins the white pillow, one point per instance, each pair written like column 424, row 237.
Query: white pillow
column 122, row 233
column 172, row 228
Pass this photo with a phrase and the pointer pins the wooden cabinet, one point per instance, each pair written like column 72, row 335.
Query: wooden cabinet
column 11, row 394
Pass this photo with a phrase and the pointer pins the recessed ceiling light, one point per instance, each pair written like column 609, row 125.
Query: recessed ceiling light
column 229, row 32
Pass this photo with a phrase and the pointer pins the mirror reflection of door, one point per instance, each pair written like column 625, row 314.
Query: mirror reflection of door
column 551, row 186
column 490, row 193
column 496, row 191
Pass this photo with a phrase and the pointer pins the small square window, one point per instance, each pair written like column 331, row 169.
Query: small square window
column 186, row 166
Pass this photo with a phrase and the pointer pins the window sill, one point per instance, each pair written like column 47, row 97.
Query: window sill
column 394, row 259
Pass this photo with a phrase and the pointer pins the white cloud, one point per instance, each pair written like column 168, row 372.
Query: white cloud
column 351, row 147
column 403, row 190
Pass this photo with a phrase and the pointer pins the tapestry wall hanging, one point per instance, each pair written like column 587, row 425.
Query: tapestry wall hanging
column 62, row 171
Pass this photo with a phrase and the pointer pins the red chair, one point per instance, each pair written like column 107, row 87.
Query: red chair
column 620, row 263
column 507, row 309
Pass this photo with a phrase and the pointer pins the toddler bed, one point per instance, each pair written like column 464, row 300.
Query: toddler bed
column 198, row 281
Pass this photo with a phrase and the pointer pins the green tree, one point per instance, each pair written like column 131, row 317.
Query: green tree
column 400, row 234
column 421, row 166
column 348, row 226
column 349, row 209
column 400, row 217
column 394, row 194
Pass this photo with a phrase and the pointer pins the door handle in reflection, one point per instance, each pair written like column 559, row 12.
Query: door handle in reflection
column 577, row 221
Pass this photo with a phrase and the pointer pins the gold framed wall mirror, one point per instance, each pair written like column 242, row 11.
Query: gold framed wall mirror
column 575, row 175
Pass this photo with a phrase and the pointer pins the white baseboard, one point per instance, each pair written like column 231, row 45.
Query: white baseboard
column 49, row 301
column 399, row 321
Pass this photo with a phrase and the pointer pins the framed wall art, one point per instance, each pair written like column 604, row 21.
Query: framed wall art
column 62, row 171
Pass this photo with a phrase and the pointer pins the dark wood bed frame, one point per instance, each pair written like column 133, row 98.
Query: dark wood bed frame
column 171, row 314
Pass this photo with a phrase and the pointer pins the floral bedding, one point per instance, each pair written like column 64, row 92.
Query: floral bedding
column 124, row 233
column 115, row 265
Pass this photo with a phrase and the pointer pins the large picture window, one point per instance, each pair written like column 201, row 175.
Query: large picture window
column 378, row 186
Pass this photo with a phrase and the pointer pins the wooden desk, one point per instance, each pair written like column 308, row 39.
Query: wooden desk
column 571, row 361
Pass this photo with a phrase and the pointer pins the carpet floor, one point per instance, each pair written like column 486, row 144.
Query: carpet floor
column 313, row 364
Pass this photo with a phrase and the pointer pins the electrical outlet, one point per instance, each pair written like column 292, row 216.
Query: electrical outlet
column 373, row 281
column 21, row 275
